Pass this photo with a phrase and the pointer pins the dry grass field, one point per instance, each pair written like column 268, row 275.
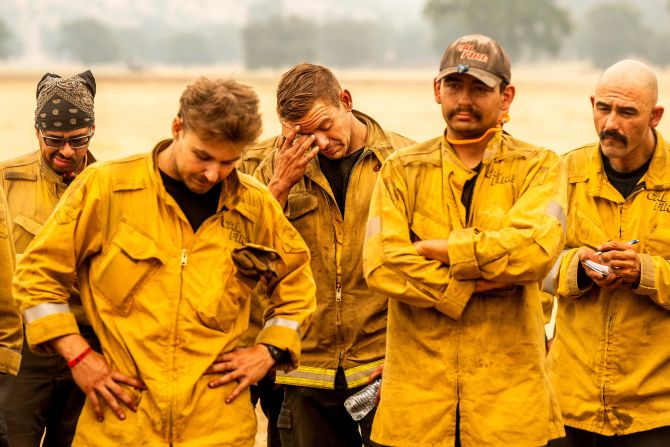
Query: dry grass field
column 134, row 111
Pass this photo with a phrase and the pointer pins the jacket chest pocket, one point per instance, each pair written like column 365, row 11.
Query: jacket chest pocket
column 125, row 266
column 302, row 213
column 24, row 231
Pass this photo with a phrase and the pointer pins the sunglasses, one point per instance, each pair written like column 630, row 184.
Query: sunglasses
column 77, row 142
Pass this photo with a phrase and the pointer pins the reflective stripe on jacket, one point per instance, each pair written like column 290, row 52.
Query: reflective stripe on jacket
column 163, row 300
column 11, row 330
column 610, row 362
column 32, row 191
column 349, row 326
column 447, row 347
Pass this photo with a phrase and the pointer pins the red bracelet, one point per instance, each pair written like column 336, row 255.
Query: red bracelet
column 79, row 358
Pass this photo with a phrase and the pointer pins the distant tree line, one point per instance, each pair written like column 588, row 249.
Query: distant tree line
column 280, row 41
column 532, row 29
column 528, row 29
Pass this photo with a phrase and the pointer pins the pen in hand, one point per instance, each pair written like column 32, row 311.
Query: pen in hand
column 632, row 242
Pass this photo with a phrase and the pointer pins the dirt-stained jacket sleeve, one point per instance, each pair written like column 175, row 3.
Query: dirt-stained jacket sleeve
column 654, row 279
column 292, row 295
column 565, row 275
column 11, row 330
column 531, row 233
column 46, row 272
column 392, row 265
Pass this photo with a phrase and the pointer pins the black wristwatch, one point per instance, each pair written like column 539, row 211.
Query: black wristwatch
column 277, row 354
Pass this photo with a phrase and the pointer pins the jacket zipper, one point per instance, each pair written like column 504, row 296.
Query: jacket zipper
column 475, row 194
column 338, row 283
column 183, row 262
column 338, row 310
column 338, row 279
column 607, row 346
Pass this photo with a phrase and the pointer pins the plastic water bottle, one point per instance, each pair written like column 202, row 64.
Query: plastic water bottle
column 361, row 403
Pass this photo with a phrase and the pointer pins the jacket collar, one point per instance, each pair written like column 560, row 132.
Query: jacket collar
column 656, row 176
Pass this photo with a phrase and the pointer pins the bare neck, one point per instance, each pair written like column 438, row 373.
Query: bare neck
column 359, row 134
column 471, row 154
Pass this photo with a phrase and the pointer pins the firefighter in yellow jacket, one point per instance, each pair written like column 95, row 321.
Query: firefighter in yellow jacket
column 461, row 231
column 322, row 174
column 610, row 362
column 11, row 331
column 166, row 248
column 44, row 396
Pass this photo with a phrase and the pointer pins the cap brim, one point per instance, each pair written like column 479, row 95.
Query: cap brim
column 487, row 78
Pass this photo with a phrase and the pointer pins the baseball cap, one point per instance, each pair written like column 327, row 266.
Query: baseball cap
column 479, row 56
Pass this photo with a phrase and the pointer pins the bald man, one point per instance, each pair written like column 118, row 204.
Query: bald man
column 610, row 363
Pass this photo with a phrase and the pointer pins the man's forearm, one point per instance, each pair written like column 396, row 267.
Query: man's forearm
column 279, row 191
column 69, row 346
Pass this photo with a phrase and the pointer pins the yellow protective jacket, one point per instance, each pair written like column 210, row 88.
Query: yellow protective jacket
column 349, row 326
column 32, row 191
column 163, row 301
column 11, row 330
column 447, row 347
column 256, row 154
column 610, row 362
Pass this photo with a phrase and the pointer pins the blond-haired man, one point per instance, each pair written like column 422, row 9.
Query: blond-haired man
column 166, row 247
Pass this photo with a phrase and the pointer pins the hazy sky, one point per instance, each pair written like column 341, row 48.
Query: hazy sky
column 34, row 21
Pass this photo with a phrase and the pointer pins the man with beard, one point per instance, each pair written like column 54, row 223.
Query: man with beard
column 43, row 396
column 322, row 172
column 462, row 229
column 610, row 362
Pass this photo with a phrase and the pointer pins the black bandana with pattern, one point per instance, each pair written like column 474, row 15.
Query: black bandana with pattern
column 65, row 104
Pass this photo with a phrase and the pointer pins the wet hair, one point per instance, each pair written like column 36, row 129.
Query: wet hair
column 301, row 86
column 221, row 110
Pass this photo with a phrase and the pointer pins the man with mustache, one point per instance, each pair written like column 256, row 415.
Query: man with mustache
column 610, row 361
column 44, row 396
column 462, row 229
column 322, row 172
